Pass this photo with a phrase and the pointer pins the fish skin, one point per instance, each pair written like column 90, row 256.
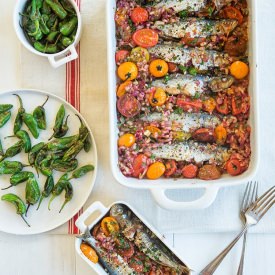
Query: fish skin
column 201, row 59
column 191, row 85
column 191, row 151
column 189, row 121
column 109, row 260
column 196, row 28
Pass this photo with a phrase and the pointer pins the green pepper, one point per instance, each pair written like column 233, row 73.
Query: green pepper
column 4, row 118
column 19, row 177
column 49, row 48
column 57, row 8
column 82, row 171
column 32, row 192
column 45, row 166
column 13, row 150
column 48, row 187
column 5, row 107
column 69, row 192
column 42, row 154
column 18, row 203
column 24, row 136
column 51, row 36
column 46, row 8
column 62, row 143
column 18, row 120
column 52, row 23
column 66, row 41
column 42, row 24
column 63, row 130
column 83, row 131
column 33, row 10
column 58, row 188
column 10, row 167
column 34, row 151
column 64, row 166
column 67, row 6
column 1, row 149
column 58, row 121
column 39, row 115
column 69, row 27
column 31, row 124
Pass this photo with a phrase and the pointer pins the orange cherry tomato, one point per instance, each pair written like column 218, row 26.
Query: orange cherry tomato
column 157, row 97
column 139, row 15
column 127, row 71
column 239, row 69
column 158, row 68
column 155, row 170
column 139, row 165
column 109, row 225
column 220, row 134
column 152, row 129
column 89, row 252
column 121, row 55
column 190, row 171
column 126, row 140
column 209, row 105
column 233, row 13
column 233, row 167
column 121, row 90
column 145, row 38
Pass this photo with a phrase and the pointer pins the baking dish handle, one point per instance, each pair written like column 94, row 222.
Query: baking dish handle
column 96, row 206
column 71, row 54
column 204, row 201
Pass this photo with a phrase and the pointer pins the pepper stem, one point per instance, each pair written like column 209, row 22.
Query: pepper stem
column 7, row 187
column 41, row 199
column 45, row 101
column 20, row 100
column 65, row 202
column 50, row 201
column 25, row 220
column 27, row 209
column 81, row 122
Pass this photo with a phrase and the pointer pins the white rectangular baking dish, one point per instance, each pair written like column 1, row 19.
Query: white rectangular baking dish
column 99, row 207
column 159, row 187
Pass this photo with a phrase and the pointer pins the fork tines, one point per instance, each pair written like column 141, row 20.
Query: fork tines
column 250, row 195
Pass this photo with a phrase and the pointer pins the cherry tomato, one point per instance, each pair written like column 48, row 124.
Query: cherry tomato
column 239, row 69
column 139, row 54
column 204, row 135
column 171, row 167
column 235, row 46
column 121, row 90
column 155, row 131
column 236, row 105
column 121, row 55
column 128, row 105
column 157, row 97
column 126, row 140
column 139, row 165
column 209, row 105
column 209, row 172
column 223, row 108
column 188, row 105
column 190, row 171
column 220, row 134
column 145, row 38
column 125, row 248
column 89, row 252
column 155, row 170
column 109, row 225
column 233, row 167
column 172, row 67
column 136, row 264
column 127, row 71
column 192, row 41
column 139, row 15
column 158, row 68
column 233, row 13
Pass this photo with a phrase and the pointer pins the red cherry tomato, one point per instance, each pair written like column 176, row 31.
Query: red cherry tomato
column 136, row 264
column 233, row 13
column 204, row 135
column 171, row 167
column 236, row 105
column 139, row 15
column 125, row 248
column 190, row 106
column 223, row 108
column 172, row 67
column 190, row 171
column 128, row 105
column 145, row 38
column 233, row 167
column 121, row 56
column 140, row 165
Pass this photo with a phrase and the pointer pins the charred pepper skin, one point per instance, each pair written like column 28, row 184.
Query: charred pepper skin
column 31, row 124
column 48, row 188
column 82, row 171
column 32, row 192
column 4, row 118
column 63, row 130
column 19, row 117
column 83, row 131
column 10, row 167
column 34, row 151
column 25, row 138
column 58, row 121
column 13, row 150
column 64, row 166
column 69, row 192
column 57, row 8
column 18, row 178
column 5, row 107
column 39, row 115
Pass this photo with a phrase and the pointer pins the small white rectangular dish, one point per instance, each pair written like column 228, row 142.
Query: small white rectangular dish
column 159, row 186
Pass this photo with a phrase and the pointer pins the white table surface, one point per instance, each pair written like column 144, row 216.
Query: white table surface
column 55, row 254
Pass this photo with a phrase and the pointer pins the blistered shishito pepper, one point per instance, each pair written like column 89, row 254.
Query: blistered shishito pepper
column 4, row 118
column 5, row 107
column 42, row 24
column 46, row 8
column 13, row 150
column 31, row 124
column 48, row 188
column 1, row 149
column 64, row 166
column 18, row 203
column 57, row 8
column 69, row 27
column 63, row 130
column 45, row 166
column 67, row 6
column 24, row 136
column 58, row 121
column 39, row 115
column 19, row 177
column 51, row 36
column 58, row 188
column 19, row 117
column 10, row 167
column 50, row 48
column 69, row 192
column 83, row 131
column 62, row 143
column 66, row 41
column 32, row 192
column 82, row 171
column 34, row 151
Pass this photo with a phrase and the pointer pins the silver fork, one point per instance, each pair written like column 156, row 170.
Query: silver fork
column 250, row 196
column 252, row 215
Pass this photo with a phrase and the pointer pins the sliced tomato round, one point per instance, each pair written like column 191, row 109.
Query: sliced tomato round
column 121, row 55
column 139, row 15
column 128, row 105
column 204, row 135
column 190, row 171
column 171, row 167
column 145, row 38
column 233, row 167
column 140, row 165
column 125, row 248
column 233, row 13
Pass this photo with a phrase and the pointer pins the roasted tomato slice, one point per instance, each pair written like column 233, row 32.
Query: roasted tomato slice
column 125, row 247
column 209, row 172
column 145, row 38
column 223, row 108
column 192, row 41
column 190, row 171
column 136, row 264
column 140, row 165
column 233, row 13
column 233, row 167
column 128, row 105
column 235, row 46
column 204, row 135
column 236, row 105
column 109, row 225
column 121, row 56
column 171, row 168
column 139, row 15
column 172, row 67
column 188, row 105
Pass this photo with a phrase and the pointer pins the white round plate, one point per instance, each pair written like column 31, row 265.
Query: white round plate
column 43, row 220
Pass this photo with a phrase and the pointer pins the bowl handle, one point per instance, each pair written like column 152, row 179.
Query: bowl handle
column 96, row 206
column 204, row 201
column 70, row 53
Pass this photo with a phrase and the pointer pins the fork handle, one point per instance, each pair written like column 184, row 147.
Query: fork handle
column 240, row 269
column 212, row 266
